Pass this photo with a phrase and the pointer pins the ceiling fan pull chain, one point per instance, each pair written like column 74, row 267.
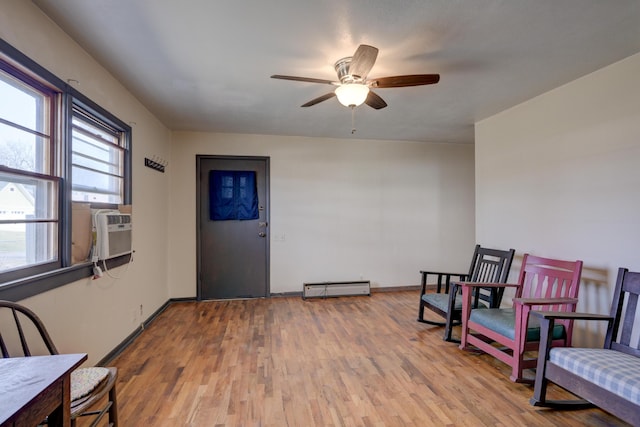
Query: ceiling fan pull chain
column 353, row 119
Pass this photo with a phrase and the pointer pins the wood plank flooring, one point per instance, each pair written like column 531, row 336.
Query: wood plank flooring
column 350, row 361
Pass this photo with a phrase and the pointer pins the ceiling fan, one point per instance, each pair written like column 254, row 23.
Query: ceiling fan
column 353, row 87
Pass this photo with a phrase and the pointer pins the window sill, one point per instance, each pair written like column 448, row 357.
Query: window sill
column 24, row 288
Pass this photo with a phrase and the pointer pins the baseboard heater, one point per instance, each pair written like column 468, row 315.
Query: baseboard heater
column 336, row 289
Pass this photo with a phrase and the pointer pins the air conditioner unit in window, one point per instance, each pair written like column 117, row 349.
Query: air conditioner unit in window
column 112, row 234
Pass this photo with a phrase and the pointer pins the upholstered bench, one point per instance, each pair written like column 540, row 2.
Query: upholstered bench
column 607, row 377
column 611, row 370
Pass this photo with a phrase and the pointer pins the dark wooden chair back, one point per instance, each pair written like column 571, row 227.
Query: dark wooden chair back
column 621, row 330
column 491, row 266
column 22, row 333
column 487, row 266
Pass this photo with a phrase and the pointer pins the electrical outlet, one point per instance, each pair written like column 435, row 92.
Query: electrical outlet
column 278, row 237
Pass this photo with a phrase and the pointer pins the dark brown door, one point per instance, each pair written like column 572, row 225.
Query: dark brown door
column 233, row 255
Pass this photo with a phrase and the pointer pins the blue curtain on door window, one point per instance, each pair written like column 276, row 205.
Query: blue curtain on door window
column 232, row 195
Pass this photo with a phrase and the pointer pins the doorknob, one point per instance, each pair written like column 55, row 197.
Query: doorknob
column 262, row 234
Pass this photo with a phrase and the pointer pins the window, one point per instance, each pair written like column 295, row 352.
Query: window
column 29, row 224
column 233, row 195
column 56, row 147
column 97, row 160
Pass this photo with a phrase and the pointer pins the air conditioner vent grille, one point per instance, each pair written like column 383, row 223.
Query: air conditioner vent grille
column 113, row 235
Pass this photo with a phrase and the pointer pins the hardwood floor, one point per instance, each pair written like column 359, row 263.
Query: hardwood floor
column 351, row 361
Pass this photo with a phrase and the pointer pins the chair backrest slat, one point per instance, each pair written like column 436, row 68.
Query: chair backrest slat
column 632, row 289
column 632, row 306
column 624, row 310
column 25, row 337
column 3, row 347
column 23, row 340
column 490, row 266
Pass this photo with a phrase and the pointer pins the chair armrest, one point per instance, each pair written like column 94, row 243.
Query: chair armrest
column 570, row 315
column 444, row 273
column 485, row 285
column 444, row 279
column 545, row 301
column 547, row 321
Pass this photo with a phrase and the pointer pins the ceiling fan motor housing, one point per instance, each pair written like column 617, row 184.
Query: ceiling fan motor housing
column 342, row 69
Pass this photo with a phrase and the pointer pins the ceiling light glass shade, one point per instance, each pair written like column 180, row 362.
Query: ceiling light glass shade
column 352, row 94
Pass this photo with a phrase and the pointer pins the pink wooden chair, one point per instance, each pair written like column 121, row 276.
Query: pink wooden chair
column 544, row 284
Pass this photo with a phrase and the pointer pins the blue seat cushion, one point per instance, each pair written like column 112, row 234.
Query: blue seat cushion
column 441, row 301
column 611, row 370
column 502, row 321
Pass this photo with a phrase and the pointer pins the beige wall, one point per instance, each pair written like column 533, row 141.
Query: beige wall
column 94, row 316
column 347, row 208
column 559, row 176
column 555, row 176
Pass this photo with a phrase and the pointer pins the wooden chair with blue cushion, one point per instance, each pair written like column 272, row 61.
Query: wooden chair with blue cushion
column 487, row 265
column 607, row 377
column 543, row 284
column 22, row 334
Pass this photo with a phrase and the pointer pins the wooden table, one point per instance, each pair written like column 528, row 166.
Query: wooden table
column 32, row 388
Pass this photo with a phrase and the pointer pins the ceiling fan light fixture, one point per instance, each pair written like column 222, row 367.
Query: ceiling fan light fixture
column 352, row 94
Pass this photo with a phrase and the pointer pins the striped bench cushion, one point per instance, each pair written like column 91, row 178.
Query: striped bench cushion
column 611, row 370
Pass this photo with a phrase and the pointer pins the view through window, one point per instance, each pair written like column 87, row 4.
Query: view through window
column 28, row 186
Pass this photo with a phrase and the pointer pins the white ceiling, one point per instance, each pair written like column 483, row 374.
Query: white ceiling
column 205, row 65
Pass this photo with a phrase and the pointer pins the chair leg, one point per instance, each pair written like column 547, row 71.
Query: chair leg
column 540, row 387
column 113, row 410
column 423, row 284
column 463, row 340
column 540, row 397
column 517, row 370
column 448, row 330
column 517, row 378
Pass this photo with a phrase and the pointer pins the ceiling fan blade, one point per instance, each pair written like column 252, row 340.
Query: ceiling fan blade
column 404, row 81
column 304, row 79
column 363, row 60
column 374, row 101
column 319, row 99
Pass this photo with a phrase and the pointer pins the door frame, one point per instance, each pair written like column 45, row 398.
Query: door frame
column 267, row 207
